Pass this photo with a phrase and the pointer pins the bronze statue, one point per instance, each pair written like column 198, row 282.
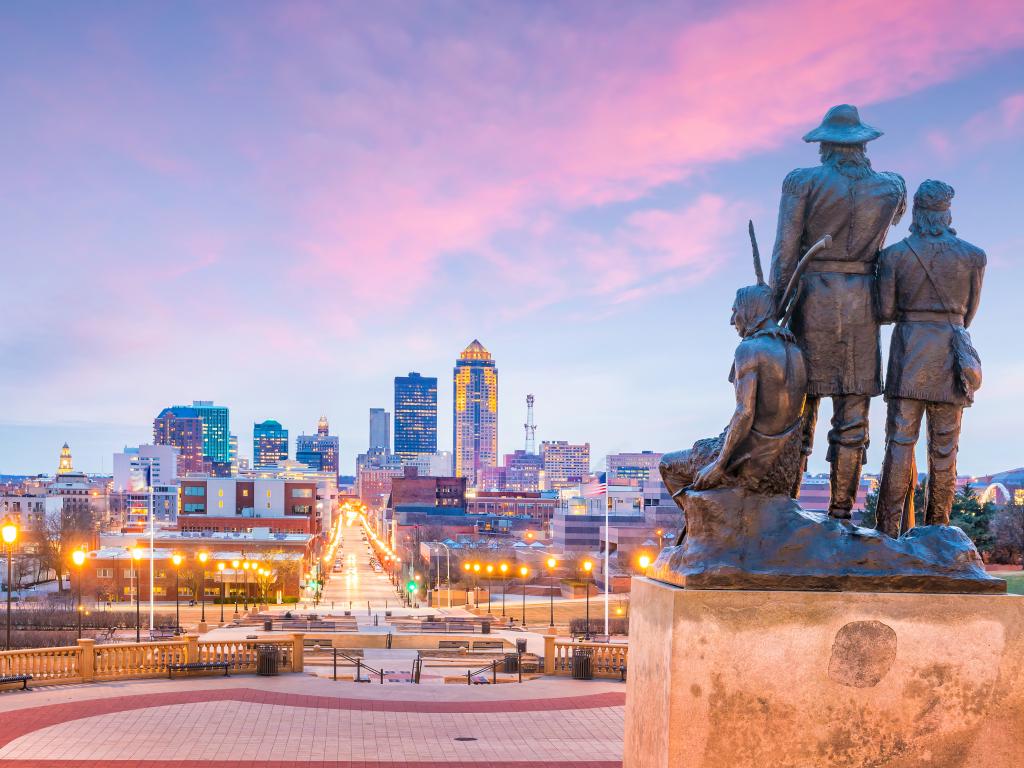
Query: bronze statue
column 760, row 450
column 929, row 284
column 832, row 310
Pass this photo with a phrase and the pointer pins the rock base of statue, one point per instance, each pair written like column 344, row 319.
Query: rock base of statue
column 750, row 679
column 735, row 539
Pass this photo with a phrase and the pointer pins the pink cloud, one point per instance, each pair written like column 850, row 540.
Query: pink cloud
column 468, row 139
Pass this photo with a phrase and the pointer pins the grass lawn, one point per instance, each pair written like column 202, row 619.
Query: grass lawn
column 1014, row 581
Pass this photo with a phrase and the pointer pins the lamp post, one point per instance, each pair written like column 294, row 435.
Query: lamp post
column 245, row 595
column 78, row 558
column 136, row 558
column 234, row 575
column 176, row 562
column 490, row 581
column 10, row 535
column 203, row 557
column 467, row 568
column 504, row 584
column 588, row 567
column 524, row 572
column 551, row 563
column 476, row 585
column 220, row 568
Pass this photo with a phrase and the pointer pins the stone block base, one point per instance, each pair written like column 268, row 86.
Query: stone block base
column 747, row 679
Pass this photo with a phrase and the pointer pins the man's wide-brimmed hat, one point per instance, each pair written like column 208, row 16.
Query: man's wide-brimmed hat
column 842, row 125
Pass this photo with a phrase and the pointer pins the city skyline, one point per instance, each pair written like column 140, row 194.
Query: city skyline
column 163, row 176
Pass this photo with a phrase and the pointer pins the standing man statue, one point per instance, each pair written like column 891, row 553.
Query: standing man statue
column 929, row 284
column 833, row 315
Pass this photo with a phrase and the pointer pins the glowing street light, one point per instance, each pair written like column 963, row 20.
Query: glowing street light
column 136, row 558
column 504, row 585
column 78, row 558
column 176, row 562
column 645, row 562
column 9, row 533
column 203, row 557
column 552, row 563
column 588, row 566
column 220, row 568
column 524, row 572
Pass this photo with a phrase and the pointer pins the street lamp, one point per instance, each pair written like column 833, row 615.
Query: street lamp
column 78, row 558
column 504, row 585
column 644, row 562
column 588, row 566
column 203, row 557
column 476, row 585
column 551, row 589
column 234, row 575
column 467, row 568
column 245, row 573
column 9, row 532
column 176, row 562
column 524, row 572
column 136, row 575
column 490, row 573
column 220, row 567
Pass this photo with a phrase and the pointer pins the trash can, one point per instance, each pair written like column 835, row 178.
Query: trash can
column 511, row 663
column 485, row 627
column 268, row 625
column 267, row 659
column 520, row 645
column 582, row 664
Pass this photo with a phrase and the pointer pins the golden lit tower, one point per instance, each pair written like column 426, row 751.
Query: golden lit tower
column 475, row 419
column 64, row 465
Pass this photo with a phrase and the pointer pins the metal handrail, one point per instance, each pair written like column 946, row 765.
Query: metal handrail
column 359, row 665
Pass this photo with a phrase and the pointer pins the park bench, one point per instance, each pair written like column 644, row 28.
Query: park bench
column 488, row 645
column 23, row 679
column 453, row 644
column 197, row 666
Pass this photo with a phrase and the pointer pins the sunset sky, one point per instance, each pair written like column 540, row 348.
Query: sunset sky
column 281, row 206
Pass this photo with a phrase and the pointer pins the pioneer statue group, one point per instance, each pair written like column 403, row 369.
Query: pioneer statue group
column 811, row 331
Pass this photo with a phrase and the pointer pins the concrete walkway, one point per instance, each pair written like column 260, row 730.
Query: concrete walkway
column 297, row 719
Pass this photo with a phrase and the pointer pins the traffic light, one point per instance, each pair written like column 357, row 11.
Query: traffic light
column 412, row 586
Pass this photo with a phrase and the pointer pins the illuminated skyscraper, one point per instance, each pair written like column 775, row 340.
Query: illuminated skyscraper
column 319, row 451
column 64, row 465
column 269, row 444
column 380, row 431
column 475, row 412
column 182, row 427
column 415, row 416
column 216, row 430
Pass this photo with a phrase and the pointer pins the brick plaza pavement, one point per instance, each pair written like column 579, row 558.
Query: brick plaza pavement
column 295, row 720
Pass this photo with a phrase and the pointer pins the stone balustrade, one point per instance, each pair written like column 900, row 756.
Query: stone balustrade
column 607, row 660
column 88, row 662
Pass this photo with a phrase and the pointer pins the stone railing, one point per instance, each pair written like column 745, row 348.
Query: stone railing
column 607, row 660
column 87, row 662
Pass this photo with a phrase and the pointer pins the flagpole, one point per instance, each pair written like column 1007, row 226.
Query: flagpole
column 152, row 553
column 607, row 549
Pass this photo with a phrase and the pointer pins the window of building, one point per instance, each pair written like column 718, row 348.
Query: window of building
column 245, row 493
column 127, row 573
column 301, row 509
column 195, row 490
column 303, row 493
column 220, row 505
column 159, row 591
column 268, row 494
column 220, row 492
column 195, row 508
column 104, row 573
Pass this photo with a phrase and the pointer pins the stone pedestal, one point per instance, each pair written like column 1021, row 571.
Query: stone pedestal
column 749, row 679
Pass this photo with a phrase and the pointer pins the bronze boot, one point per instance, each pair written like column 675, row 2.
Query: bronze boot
column 845, row 480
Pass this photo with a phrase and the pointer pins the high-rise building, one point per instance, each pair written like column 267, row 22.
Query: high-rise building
column 269, row 444
column 145, row 477
column 565, row 463
column 380, row 430
column 233, row 453
column 415, row 416
column 475, row 439
column 633, row 466
column 319, row 451
column 216, row 430
column 182, row 427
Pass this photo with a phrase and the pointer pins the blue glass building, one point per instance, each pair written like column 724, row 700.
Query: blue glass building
column 415, row 416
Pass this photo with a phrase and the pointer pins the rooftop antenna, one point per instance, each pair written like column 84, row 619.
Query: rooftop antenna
column 530, row 427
